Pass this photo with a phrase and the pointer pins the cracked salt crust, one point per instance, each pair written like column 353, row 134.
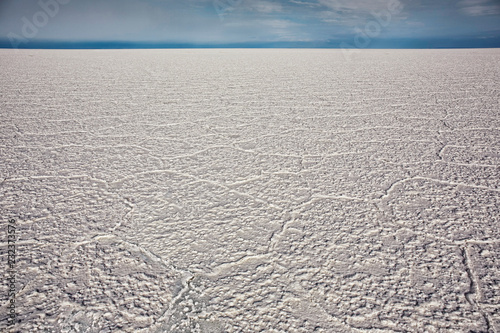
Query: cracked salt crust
column 218, row 191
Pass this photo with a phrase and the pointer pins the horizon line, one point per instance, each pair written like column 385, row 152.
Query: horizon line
column 376, row 44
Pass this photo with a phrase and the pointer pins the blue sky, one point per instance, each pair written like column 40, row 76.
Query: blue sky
column 320, row 23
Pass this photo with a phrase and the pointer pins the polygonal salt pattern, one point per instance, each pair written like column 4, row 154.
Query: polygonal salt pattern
column 251, row 190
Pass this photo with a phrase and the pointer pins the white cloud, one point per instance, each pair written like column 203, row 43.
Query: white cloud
column 347, row 6
column 479, row 7
column 352, row 13
column 304, row 3
column 263, row 6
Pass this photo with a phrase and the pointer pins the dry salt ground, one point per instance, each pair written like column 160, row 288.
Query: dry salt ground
column 251, row 190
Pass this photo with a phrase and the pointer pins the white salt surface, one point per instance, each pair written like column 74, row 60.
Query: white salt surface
column 252, row 190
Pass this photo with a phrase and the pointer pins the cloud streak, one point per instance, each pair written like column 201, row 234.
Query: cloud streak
column 479, row 7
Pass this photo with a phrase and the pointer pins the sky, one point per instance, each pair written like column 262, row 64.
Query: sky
column 250, row 23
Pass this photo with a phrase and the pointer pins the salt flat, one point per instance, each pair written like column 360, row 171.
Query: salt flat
column 252, row 190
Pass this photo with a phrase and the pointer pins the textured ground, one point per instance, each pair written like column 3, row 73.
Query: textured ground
column 252, row 191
